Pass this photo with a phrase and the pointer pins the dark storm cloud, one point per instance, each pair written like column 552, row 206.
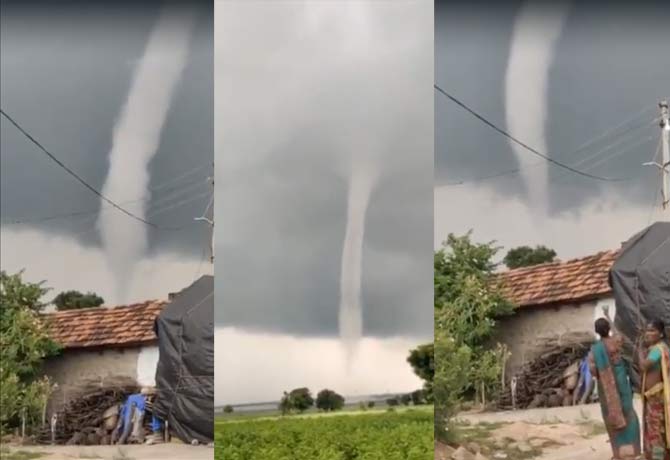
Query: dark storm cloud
column 66, row 72
column 606, row 68
column 294, row 107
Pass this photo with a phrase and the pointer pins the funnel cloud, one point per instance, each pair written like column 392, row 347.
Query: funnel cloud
column 137, row 138
column 536, row 31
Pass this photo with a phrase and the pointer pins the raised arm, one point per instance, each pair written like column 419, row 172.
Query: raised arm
column 648, row 360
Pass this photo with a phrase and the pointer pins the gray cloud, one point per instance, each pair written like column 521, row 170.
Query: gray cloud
column 606, row 68
column 66, row 71
column 296, row 105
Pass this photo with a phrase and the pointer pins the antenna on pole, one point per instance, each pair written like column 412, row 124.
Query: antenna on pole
column 664, row 165
column 209, row 221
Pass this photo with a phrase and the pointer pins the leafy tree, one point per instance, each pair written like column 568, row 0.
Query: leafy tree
column 371, row 404
column 468, row 304
column 392, row 402
column 328, row 400
column 405, row 399
column 525, row 256
column 423, row 363
column 74, row 300
column 298, row 400
column 228, row 409
column 285, row 404
column 418, row 397
column 453, row 363
column 24, row 343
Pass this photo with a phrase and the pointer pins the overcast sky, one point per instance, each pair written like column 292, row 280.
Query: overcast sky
column 605, row 72
column 325, row 86
column 67, row 68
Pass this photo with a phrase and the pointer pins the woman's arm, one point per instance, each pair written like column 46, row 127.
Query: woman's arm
column 649, row 359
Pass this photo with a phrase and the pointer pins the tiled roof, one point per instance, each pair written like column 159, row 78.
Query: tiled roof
column 559, row 282
column 95, row 327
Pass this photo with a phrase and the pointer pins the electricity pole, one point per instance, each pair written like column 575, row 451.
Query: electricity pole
column 665, row 169
column 209, row 221
column 664, row 165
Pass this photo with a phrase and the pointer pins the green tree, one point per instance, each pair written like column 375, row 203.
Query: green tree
column 371, row 404
column 328, row 400
column 525, row 256
column 24, row 343
column 418, row 397
column 228, row 409
column 74, row 300
column 468, row 304
column 423, row 363
column 405, row 399
column 298, row 400
column 392, row 402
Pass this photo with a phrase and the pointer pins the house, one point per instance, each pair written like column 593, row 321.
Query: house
column 553, row 299
column 102, row 344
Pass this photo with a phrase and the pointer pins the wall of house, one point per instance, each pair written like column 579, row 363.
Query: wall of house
column 521, row 331
column 74, row 366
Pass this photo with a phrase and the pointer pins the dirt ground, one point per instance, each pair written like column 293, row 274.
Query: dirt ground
column 130, row 452
column 567, row 433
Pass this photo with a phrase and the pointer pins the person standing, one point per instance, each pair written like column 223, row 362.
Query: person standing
column 615, row 392
column 655, row 367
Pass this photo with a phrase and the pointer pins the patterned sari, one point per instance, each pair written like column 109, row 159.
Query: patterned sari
column 656, row 403
column 616, row 398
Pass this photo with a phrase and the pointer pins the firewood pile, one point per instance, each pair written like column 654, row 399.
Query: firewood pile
column 88, row 418
column 550, row 379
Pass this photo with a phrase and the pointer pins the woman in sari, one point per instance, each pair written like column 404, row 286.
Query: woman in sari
column 655, row 367
column 615, row 393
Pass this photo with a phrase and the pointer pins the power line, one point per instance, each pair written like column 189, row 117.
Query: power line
column 87, row 212
column 75, row 175
column 521, row 143
column 581, row 148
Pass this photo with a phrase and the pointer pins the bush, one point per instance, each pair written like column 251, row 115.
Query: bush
column 468, row 304
column 328, row 400
column 24, row 343
column 228, row 409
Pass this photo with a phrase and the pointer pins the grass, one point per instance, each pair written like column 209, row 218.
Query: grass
column 7, row 454
column 403, row 434
column 350, row 411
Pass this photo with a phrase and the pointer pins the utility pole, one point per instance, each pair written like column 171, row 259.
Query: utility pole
column 665, row 169
column 209, row 221
column 664, row 165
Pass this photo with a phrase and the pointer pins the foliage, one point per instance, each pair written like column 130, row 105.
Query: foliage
column 392, row 402
column 422, row 361
column 24, row 343
column 404, row 435
column 453, row 363
column 371, row 404
column 418, row 397
column 328, row 400
column 405, row 399
column 228, row 409
column 298, row 400
column 468, row 304
column 74, row 300
column 525, row 256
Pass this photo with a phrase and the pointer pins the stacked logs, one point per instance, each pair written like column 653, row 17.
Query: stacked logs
column 549, row 379
column 82, row 420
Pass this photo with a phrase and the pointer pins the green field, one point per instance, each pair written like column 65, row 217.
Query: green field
column 406, row 434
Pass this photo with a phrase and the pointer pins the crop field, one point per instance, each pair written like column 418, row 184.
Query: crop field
column 380, row 435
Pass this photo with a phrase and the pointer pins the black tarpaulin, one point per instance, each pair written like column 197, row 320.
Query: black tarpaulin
column 640, row 280
column 185, row 371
